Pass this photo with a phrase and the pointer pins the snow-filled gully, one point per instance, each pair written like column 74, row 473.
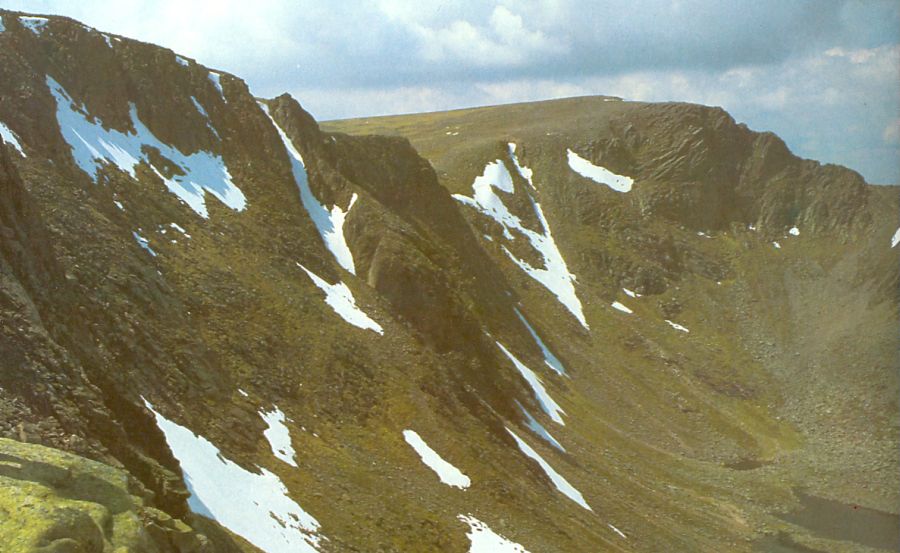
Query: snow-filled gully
column 554, row 275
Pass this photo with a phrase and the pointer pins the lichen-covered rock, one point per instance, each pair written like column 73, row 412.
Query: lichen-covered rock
column 56, row 502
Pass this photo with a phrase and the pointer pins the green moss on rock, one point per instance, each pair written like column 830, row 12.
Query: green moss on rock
column 57, row 502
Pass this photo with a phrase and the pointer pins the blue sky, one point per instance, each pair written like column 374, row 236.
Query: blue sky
column 822, row 74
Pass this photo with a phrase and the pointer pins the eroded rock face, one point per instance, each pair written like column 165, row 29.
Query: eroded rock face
column 219, row 272
column 701, row 169
column 52, row 388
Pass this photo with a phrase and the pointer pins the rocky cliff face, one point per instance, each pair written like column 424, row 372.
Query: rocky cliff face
column 563, row 323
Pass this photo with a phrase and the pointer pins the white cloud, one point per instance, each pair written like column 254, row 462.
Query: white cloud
column 504, row 40
column 855, row 56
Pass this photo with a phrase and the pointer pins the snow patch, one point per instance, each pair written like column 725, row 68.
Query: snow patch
column 550, row 359
column 794, row 231
column 341, row 300
column 617, row 531
column 2, row 28
column 598, row 174
column 178, row 227
column 94, row 146
column 555, row 275
column 777, row 245
column 243, row 393
column 216, row 79
column 254, row 506
column 330, row 225
column 539, row 429
column 448, row 474
column 181, row 61
column 630, row 293
column 561, row 483
column 621, row 307
column 9, row 137
column 279, row 436
column 677, row 326
column 119, row 204
column 895, row 239
column 143, row 242
column 495, row 175
column 485, row 540
column 553, row 410
column 34, row 24
column 107, row 40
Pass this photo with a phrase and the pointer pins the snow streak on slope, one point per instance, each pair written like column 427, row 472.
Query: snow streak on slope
column 199, row 107
column 279, row 436
column 94, row 146
column 254, row 506
column 10, row 138
column 561, row 483
column 329, row 225
column 555, row 275
column 553, row 410
column 143, row 242
column 180, row 229
column 34, row 24
column 485, row 540
column 539, row 429
column 677, row 326
column 621, row 307
column 448, row 474
column 895, row 239
column 341, row 299
column 202, row 112
column 2, row 28
column 549, row 358
column 600, row 175
column 216, row 79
